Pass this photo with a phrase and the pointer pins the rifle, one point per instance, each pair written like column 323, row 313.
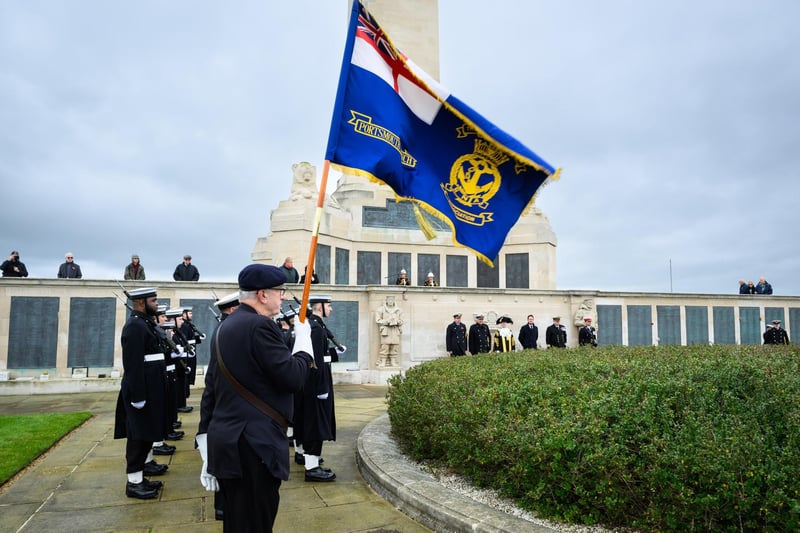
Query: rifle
column 218, row 317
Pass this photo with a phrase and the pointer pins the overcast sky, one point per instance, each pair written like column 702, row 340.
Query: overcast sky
column 164, row 128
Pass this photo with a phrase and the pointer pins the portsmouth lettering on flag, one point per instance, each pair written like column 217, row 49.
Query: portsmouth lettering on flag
column 394, row 124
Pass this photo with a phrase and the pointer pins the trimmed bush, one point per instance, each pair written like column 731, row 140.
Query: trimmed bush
column 696, row 438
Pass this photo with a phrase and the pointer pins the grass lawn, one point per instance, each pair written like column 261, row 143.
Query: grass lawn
column 23, row 438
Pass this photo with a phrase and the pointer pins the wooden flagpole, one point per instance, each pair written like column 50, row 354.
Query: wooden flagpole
column 312, row 251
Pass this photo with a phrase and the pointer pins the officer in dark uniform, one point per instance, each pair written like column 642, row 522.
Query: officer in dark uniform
column 286, row 322
column 479, row 338
column 140, row 414
column 185, row 358
column 587, row 335
column 456, row 337
column 168, row 348
column 194, row 336
column 246, row 443
column 556, row 334
column 226, row 306
column 776, row 334
column 317, row 421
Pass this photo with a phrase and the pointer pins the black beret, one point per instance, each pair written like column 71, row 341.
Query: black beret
column 257, row 276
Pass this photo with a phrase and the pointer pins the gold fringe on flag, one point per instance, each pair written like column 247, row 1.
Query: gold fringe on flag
column 423, row 223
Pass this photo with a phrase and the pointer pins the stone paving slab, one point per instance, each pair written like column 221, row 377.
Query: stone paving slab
column 79, row 485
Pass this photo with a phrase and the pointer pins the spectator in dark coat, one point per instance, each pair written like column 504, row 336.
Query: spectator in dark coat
column 763, row 287
column 529, row 335
column 13, row 267
column 186, row 271
column 69, row 269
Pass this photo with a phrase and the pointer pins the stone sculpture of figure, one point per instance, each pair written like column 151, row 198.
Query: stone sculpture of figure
column 304, row 182
column 390, row 322
column 584, row 310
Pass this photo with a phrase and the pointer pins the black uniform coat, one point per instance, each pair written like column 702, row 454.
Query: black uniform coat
column 480, row 339
column 318, row 417
column 255, row 353
column 556, row 336
column 528, row 336
column 141, row 381
column 456, row 338
column 586, row 335
column 194, row 337
column 209, row 398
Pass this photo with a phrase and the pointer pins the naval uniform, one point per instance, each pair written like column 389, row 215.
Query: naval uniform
column 143, row 380
column 317, row 420
column 556, row 336
column 480, row 339
column 181, row 368
column 456, row 339
column 587, row 336
column 247, row 448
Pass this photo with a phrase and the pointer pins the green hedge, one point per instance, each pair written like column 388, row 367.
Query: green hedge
column 701, row 438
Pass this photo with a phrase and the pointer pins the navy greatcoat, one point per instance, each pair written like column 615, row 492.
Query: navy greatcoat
column 254, row 351
column 456, row 338
column 480, row 339
column 141, row 381
column 318, row 419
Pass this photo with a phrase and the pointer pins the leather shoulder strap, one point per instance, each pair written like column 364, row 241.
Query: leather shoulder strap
column 246, row 393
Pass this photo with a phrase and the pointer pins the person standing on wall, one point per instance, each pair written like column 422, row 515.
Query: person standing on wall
column 69, row 269
column 186, row 271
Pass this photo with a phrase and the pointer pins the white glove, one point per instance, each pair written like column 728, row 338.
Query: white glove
column 302, row 338
column 341, row 350
column 322, row 396
column 139, row 405
column 208, row 481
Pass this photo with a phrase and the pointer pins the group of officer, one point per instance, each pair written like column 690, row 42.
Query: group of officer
column 479, row 338
column 268, row 374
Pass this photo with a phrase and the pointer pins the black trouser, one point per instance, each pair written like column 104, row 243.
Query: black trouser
column 312, row 447
column 250, row 503
column 136, row 454
column 180, row 385
column 171, row 404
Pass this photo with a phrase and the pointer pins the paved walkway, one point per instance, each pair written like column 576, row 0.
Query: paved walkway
column 80, row 485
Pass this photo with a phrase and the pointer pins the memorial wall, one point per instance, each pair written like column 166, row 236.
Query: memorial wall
column 67, row 327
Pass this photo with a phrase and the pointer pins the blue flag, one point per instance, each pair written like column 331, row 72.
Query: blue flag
column 395, row 124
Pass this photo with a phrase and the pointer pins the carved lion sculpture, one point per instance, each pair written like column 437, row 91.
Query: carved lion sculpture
column 304, row 182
